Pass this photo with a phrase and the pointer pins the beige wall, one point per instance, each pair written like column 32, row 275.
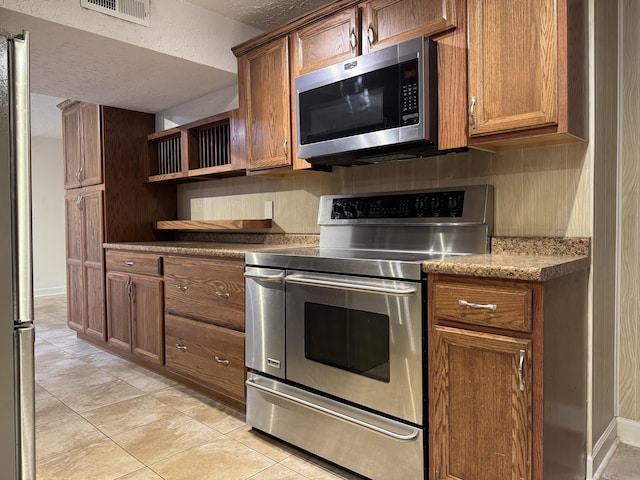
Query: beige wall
column 629, row 369
column 49, row 267
column 539, row 191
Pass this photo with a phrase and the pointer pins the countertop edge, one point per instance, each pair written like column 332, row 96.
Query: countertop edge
column 540, row 268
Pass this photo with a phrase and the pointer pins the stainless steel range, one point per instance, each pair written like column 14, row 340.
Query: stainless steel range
column 336, row 334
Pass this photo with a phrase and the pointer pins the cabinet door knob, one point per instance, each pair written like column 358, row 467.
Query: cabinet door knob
column 521, row 371
column 181, row 347
column 182, row 288
column 284, row 148
column 129, row 263
column 472, row 113
column 479, row 306
column 370, row 35
column 223, row 295
column 221, row 360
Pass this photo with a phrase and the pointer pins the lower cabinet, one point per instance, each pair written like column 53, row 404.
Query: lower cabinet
column 204, row 324
column 135, row 305
column 209, row 355
column 507, row 378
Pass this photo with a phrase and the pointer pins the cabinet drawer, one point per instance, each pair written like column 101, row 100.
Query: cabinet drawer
column 205, row 289
column 488, row 305
column 209, row 355
column 140, row 263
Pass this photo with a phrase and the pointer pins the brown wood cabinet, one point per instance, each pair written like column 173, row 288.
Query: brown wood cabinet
column 204, row 324
column 120, row 208
column 135, row 303
column 506, row 366
column 263, row 78
column 388, row 22
column 81, row 138
column 85, row 271
column 527, row 72
column 268, row 65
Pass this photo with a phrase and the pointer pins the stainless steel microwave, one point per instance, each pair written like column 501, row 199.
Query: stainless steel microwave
column 378, row 106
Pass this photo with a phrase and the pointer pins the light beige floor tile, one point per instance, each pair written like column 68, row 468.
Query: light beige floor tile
column 57, row 438
column 218, row 416
column 624, row 465
column 40, row 392
column 181, row 398
column 102, row 460
column 142, row 474
column 50, row 410
column 141, row 378
column 129, row 413
column 45, row 367
column 267, row 446
column 277, row 472
column 166, row 437
column 316, row 469
column 75, row 380
column 224, row 459
column 105, row 361
column 99, row 396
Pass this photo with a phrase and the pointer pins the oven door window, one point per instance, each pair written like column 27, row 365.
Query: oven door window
column 352, row 340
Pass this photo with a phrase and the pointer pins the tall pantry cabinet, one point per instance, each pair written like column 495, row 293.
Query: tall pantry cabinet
column 106, row 200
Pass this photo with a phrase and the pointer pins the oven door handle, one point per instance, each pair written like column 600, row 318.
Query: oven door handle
column 351, row 286
column 398, row 436
column 267, row 278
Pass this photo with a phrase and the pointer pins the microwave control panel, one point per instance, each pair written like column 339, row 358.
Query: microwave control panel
column 408, row 205
column 410, row 98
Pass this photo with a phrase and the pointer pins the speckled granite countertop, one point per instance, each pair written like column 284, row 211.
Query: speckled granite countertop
column 537, row 259
column 218, row 246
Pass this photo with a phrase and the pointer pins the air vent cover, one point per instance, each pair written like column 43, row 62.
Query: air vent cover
column 136, row 11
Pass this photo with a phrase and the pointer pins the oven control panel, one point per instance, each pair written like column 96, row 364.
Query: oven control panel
column 406, row 205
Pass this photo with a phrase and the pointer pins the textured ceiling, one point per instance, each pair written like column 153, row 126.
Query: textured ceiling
column 68, row 62
column 262, row 14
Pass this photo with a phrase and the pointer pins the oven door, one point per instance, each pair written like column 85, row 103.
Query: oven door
column 356, row 338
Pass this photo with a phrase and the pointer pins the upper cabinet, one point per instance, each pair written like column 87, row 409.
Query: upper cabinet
column 269, row 64
column 82, row 145
column 387, row 22
column 263, row 78
column 527, row 72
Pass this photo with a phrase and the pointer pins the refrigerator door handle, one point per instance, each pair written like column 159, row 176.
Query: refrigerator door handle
column 21, row 124
column 24, row 370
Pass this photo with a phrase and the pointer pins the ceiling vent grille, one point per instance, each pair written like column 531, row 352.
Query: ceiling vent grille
column 136, row 11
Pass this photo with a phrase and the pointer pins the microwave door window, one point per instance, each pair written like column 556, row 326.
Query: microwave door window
column 361, row 104
column 352, row 340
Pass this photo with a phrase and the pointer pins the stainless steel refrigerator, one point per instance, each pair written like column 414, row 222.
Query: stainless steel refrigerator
column 17, row 405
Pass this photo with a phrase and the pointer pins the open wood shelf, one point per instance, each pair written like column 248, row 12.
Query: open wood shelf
column 208, row 225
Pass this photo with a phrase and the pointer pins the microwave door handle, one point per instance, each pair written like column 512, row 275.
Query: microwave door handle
column 354, row 287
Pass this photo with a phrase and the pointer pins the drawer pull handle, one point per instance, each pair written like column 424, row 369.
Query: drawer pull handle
column 129, row 263
column 222, row 361
column 481, row 306
column 181, row 347
column 182, row 288
column 223, row 295
column 521, row 371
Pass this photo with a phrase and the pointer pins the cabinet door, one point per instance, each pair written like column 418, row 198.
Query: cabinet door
column 264, row 90
column 513, row 58
column 91, row 168
column 388, row 22
column 73, row 240
column 72, row 150
column 147, row 316
column 480, row 406
column 119, row 311
column 93, row 254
